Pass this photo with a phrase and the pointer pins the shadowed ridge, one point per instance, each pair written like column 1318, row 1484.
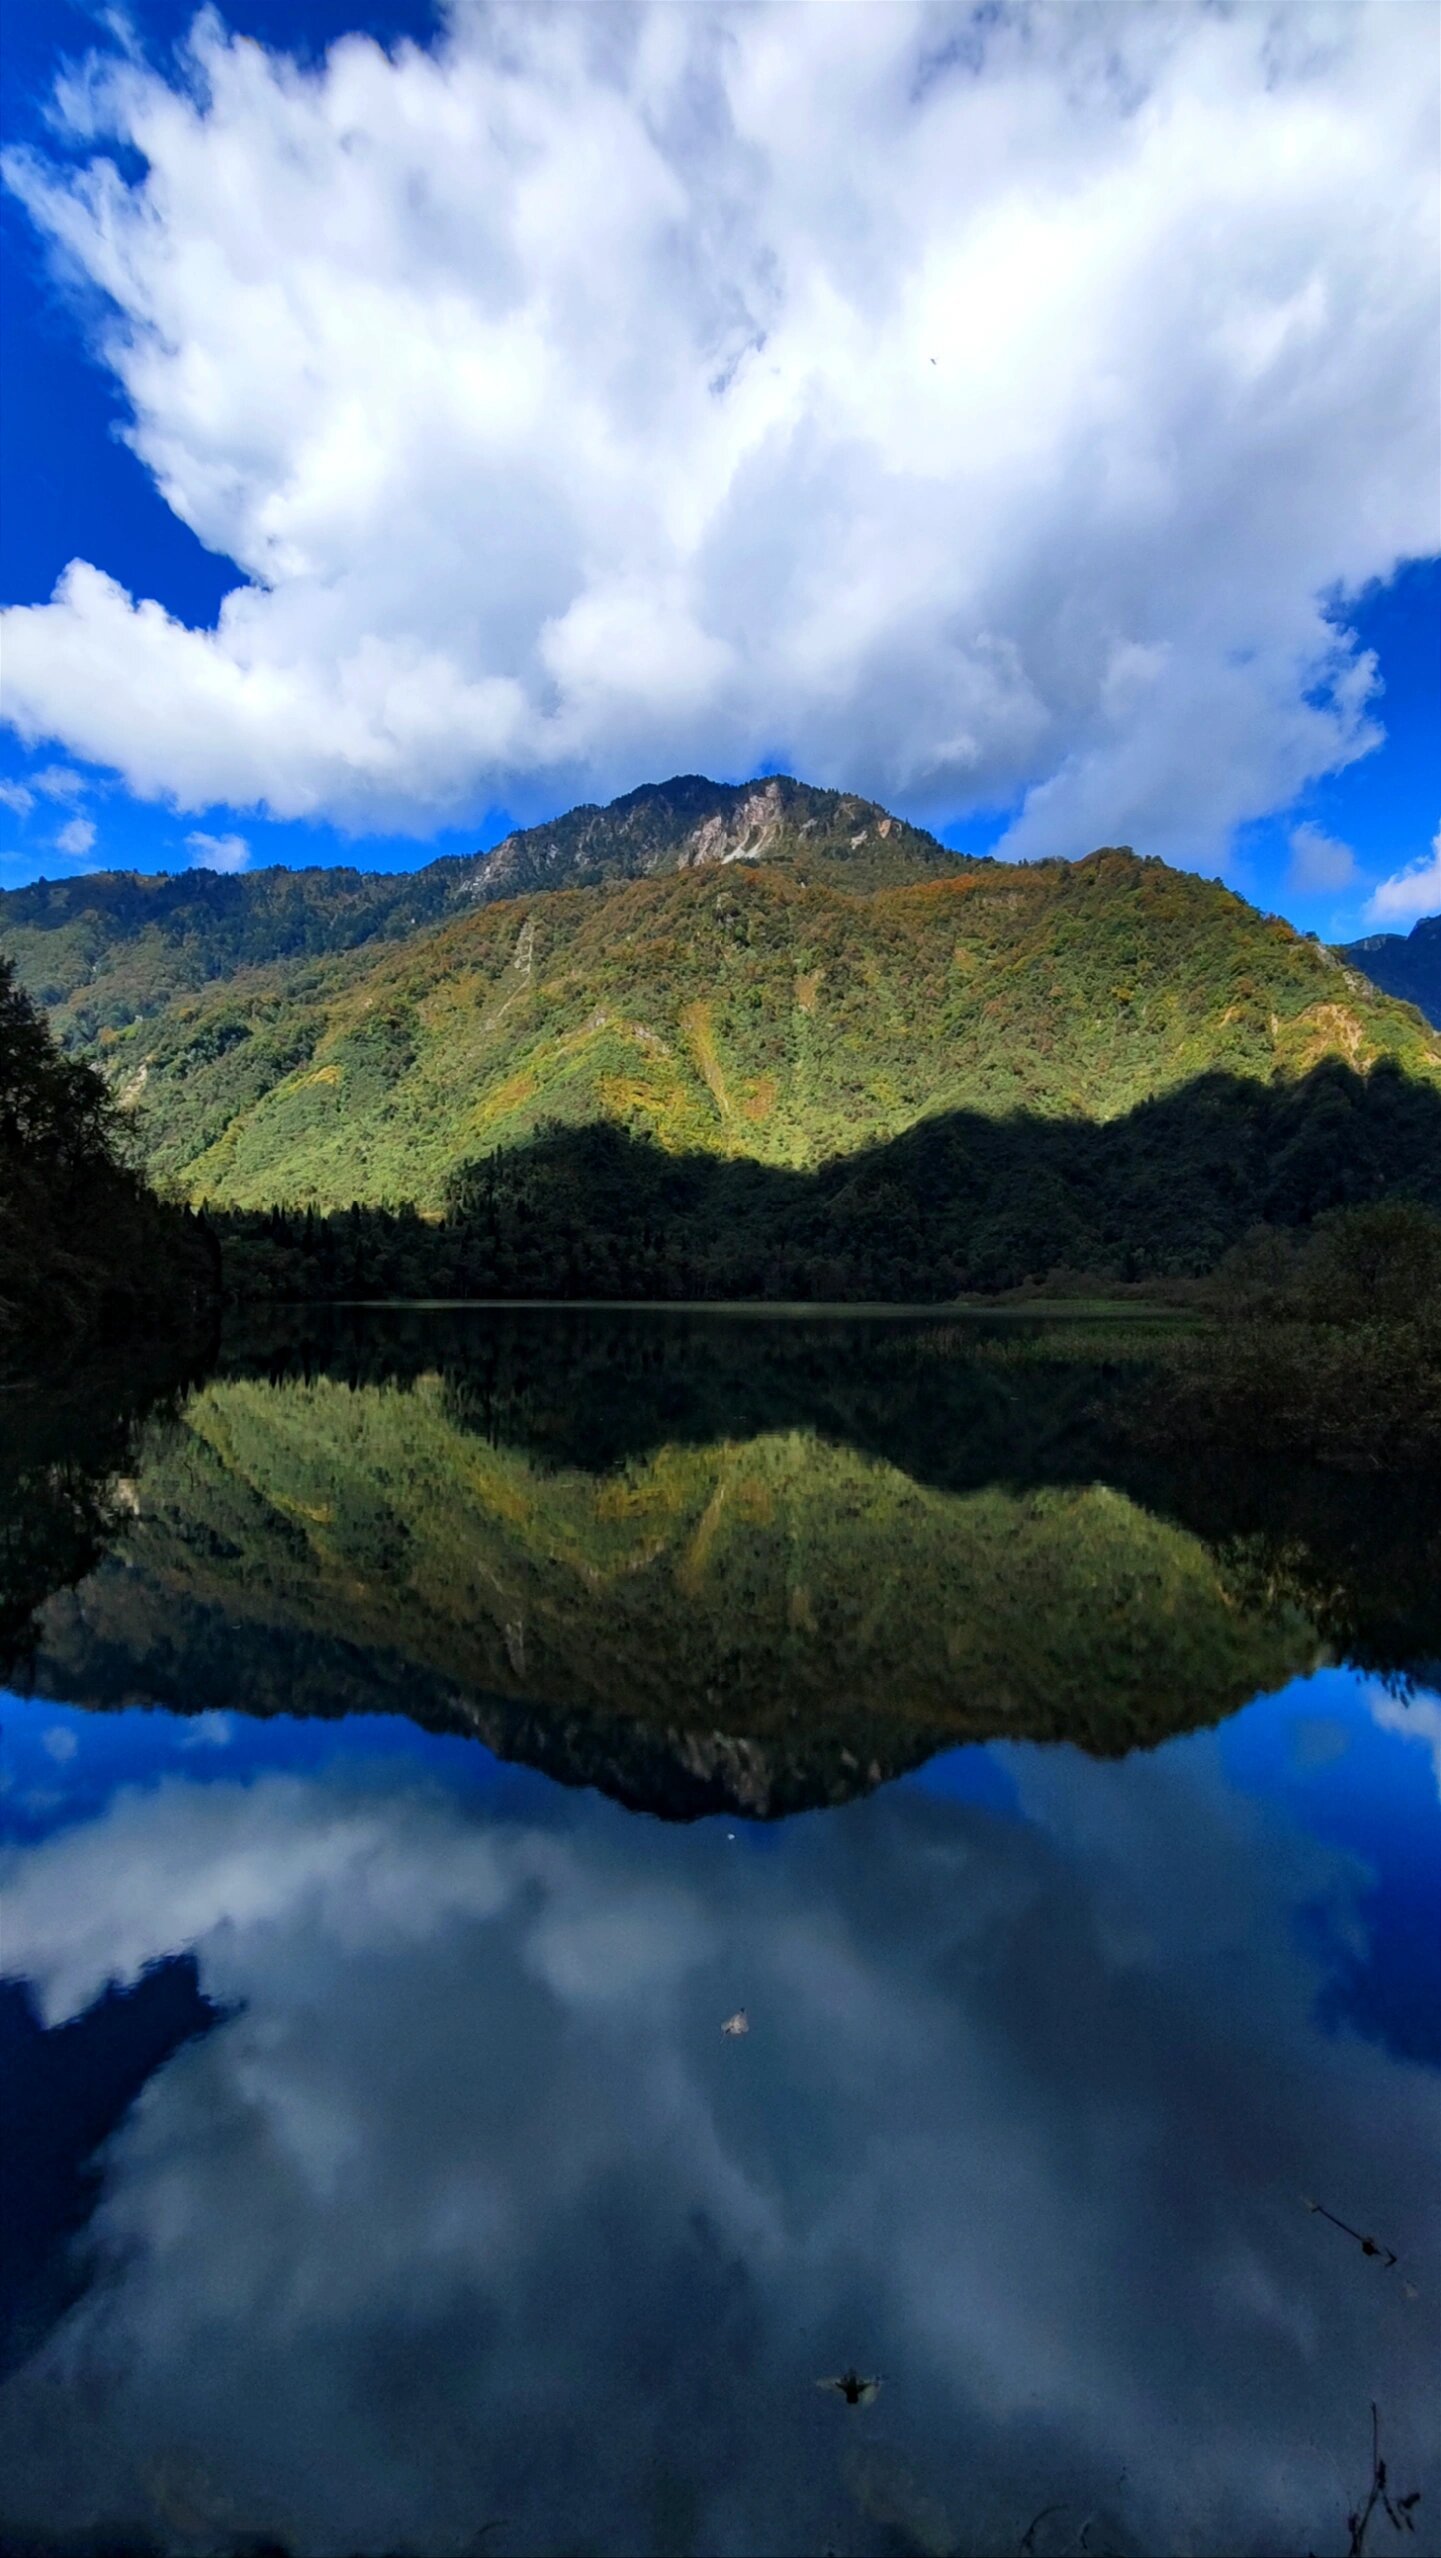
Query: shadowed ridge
column 960, row 1202
column 1406, row 965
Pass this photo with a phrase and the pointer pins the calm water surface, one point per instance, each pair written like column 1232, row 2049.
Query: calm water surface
column 422, row 1735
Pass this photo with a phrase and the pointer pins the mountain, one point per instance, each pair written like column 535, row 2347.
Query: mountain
column 691, row 824
column 759, row 1038
column 736, row 1010
column 1407, row 965
column 758, row 1625
column 111, row 948
column 114, row 947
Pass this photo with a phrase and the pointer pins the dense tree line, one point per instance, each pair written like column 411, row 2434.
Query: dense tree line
column 1329, row 1344
column 960, row 1203
column 87, row 1250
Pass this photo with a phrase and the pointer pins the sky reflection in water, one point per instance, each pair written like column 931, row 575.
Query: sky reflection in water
column 466, row 2213
column 383, row 2179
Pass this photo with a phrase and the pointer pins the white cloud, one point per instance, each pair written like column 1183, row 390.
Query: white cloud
column 1320, row 863
column 1411, row 892
column 58, row 781
column 1413, row 1718
column 217, row 852
column 210, row 1731
column 76, row 837
column 15, row 795
column 955, row 407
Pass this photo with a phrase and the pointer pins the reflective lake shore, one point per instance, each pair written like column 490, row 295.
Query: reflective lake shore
column 427, row 1731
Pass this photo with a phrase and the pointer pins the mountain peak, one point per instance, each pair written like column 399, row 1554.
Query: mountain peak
column 689, row 822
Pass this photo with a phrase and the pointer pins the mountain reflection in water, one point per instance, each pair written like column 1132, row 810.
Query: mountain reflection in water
column 447, row 2215
column 749, row 1566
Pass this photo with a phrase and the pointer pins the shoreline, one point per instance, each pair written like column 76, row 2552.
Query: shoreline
column 1091, row 1309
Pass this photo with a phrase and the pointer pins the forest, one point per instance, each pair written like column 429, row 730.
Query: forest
column 739, row 1010
column 960, row 1203
column 87, row 1249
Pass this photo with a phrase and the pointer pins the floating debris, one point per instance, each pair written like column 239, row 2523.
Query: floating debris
column 1398, row 2510
column 1368, row 2246
column 1027, row 2542
column 738, row 2024
column 855, row 2391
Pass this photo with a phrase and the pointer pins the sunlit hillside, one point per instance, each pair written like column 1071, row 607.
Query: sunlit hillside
column 740, row 1011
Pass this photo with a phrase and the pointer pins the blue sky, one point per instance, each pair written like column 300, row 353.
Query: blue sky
column 554, row 418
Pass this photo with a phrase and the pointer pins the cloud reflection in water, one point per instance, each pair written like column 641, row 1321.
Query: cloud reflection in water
column 469, row 2211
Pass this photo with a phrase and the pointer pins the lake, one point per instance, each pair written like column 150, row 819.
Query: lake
column 425, row 1733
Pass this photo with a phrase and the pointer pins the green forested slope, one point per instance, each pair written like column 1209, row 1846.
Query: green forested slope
column 754, row 1622
column 739, row 1012
column 103, row 951
column 106, row 950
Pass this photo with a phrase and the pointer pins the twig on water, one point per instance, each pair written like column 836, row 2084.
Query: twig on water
column 1368, row 2246
column 1398, row 2510
column 1027, row 2544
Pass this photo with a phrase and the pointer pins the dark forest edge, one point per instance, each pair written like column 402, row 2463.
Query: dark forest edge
column 65, row 1455
column 1325, row 1343
column 962, row 1203
column 88, row 1252
column 1298, row 1221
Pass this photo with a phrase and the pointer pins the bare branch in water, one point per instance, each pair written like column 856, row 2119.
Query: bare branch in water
column 1368, row 2246
column 1027, row 2543
column 1398, row 2510
column 855, row 2391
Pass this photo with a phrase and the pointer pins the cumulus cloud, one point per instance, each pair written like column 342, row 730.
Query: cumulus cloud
column 76, row 837
column 217, row 852
column 1320, row 863
column 970, row 407
column 15, row 795
column 1409, row 893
